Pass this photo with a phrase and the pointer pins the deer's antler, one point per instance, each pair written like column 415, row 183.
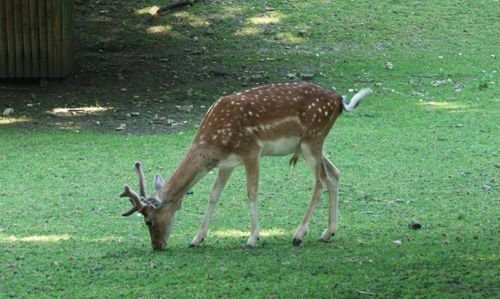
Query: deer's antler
column 137, row 205
column 140, row 173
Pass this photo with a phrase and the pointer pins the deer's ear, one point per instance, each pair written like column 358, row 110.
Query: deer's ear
column 158, row 182
column 153, row 202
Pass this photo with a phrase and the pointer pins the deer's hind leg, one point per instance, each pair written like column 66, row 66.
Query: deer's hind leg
column 313, row 156
column 332, row 175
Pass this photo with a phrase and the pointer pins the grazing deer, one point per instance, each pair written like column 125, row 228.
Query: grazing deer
column 272, row 120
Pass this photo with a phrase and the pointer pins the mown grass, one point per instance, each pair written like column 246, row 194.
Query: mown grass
column 416, row 149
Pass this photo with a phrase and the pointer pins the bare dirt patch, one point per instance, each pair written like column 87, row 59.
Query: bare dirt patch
column 124, row 80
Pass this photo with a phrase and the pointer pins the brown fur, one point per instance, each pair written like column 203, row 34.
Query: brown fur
column 277, row 119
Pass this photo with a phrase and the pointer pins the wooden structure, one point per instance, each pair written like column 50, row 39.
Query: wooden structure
column 36, row 38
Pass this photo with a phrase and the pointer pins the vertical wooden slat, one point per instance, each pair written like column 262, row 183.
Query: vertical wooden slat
column 43, row 38
column 67, row 29
column 25, row 13
column 3, row 41
column 50, row 37
column 11, row 46
column 18, row 35
column 35, row 38
column 57, row 29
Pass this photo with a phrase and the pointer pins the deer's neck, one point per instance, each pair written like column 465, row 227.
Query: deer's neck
column 191, row 169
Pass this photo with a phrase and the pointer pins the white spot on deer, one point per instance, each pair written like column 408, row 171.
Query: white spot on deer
column 214, row 137
column 326, row 113
column 250, row 113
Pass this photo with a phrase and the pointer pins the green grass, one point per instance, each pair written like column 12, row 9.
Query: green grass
column 412, row 150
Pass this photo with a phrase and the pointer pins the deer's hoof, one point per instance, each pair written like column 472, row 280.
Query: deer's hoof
column 297, row 242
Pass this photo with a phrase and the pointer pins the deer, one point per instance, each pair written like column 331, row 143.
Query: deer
column 239, row 129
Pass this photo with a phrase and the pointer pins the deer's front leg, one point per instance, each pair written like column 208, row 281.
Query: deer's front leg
column 252, row 173
column 220, row 182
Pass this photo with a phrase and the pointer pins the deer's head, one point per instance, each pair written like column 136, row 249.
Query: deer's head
column 158, row 215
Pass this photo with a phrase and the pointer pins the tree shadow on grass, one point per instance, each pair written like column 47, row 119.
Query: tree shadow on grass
column 151, row 72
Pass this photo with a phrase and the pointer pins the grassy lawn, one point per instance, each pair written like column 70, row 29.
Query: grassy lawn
column 424, row 146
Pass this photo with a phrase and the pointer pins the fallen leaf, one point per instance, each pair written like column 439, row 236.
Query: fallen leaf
column 121, row 127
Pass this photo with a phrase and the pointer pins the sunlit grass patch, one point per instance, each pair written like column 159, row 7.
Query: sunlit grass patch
column 446, row 105
column 290, row 38
column 271, row 18
column 13, row 120
column 78, row 110
column 160, row 29
column 35, row 239
column 246, row 31
column 239, row 233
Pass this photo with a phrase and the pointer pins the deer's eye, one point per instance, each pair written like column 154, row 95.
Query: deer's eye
column 149, row 223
